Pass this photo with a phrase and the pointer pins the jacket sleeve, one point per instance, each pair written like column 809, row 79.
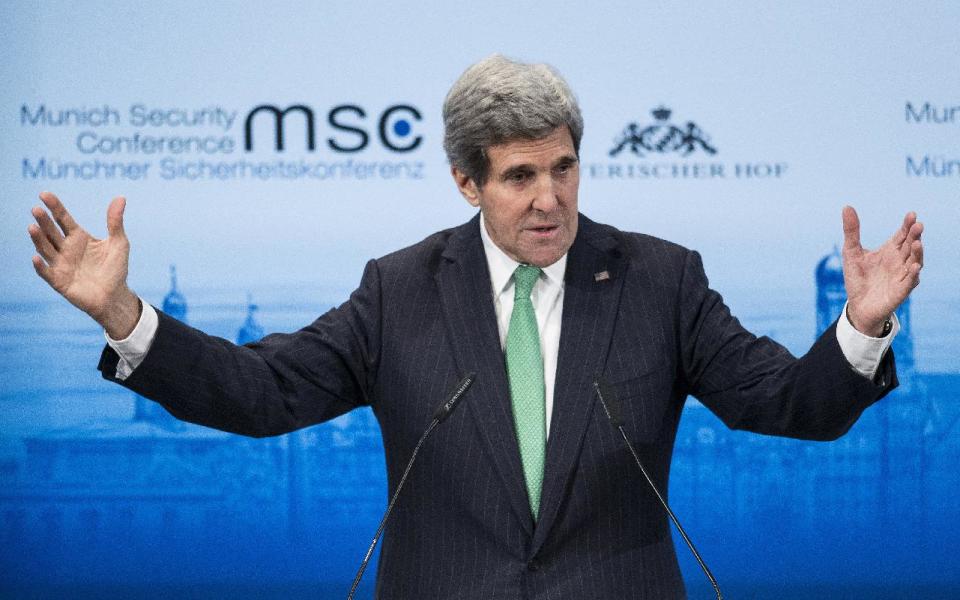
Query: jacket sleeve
column 755, row 383
column 282, row 383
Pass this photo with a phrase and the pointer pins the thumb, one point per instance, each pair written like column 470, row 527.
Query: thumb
column 851, row 229
column 115, row 216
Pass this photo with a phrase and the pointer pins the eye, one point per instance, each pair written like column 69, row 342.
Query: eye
column 563, row 168
column 518, row 177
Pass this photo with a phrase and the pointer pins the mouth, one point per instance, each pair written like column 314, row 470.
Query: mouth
column 544, row 231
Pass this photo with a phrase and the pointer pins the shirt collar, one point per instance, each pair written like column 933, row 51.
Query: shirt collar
column 501, row 266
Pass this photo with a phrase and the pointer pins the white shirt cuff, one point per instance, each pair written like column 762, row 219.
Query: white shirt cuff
column 863, row 352
column 133, row 348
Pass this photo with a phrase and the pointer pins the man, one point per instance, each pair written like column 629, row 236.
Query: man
column 525, row 492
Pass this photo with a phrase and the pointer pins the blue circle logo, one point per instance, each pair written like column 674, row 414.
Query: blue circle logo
column 401, row 127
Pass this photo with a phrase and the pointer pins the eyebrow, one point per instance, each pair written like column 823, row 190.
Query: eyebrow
column 516, row 169
column 569, row 159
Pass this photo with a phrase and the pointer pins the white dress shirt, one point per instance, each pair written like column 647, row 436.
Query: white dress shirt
column 861, row 351
column 547, row 298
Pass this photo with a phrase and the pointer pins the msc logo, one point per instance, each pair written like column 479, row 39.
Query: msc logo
column 394, row 129
column 662, row 137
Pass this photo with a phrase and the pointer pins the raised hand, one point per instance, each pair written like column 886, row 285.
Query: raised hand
column 878, row 281
column 89, row 272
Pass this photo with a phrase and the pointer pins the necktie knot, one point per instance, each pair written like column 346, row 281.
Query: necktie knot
column 524, row 279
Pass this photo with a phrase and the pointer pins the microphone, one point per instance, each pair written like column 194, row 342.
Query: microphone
column 611, row 406
column 440, row 415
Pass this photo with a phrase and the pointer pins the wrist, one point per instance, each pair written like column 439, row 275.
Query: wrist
column 870, row 327
column 121, row 315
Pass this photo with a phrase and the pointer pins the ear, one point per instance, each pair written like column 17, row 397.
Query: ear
column 467, row 186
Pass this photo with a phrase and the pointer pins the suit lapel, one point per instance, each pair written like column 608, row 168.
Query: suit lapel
column 463, row 281
column 592, row 285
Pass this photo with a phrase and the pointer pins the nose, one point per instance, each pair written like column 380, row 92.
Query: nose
column 545, row 197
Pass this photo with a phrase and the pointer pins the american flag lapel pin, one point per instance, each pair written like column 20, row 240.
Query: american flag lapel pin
column 601, row 276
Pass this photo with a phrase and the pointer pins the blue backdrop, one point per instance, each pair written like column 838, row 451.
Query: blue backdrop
column 268, row 151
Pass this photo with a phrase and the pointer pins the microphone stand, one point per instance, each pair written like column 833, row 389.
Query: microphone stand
column 612, row 408
column 386, row 515
column 438, row 417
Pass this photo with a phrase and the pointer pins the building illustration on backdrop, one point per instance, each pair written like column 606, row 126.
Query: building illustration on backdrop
column 154, row 477
column 894, row 469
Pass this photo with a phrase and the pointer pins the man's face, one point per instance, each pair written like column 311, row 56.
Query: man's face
column 529, row 202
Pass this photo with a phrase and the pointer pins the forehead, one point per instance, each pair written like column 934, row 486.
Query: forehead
column 557, row 145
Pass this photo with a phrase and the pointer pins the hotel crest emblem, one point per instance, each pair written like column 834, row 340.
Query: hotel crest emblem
column 663, row 137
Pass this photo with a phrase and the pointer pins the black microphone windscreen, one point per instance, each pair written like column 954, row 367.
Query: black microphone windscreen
column 444, row 410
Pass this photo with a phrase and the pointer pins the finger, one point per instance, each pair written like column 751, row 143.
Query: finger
column 901, row 234
column 916, row 253
column 914, row 277
column 41, row 243
column 913, row 235
column 115, row 216
column 851, row 229
column 914, row 263
column 60, row 214
column 42, row 270
column 50, row 230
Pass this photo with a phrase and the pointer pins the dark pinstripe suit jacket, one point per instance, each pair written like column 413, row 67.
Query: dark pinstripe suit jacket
column 424, row 316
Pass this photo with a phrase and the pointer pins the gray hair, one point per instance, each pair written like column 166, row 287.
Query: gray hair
column 498, row 100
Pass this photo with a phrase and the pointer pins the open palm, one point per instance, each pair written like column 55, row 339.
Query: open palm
column 878, row 281
column 91, row 273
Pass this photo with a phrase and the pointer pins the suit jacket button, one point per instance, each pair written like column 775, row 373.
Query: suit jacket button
column 533, row 565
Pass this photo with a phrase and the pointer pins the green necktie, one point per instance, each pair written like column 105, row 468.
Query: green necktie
column 527, row 392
